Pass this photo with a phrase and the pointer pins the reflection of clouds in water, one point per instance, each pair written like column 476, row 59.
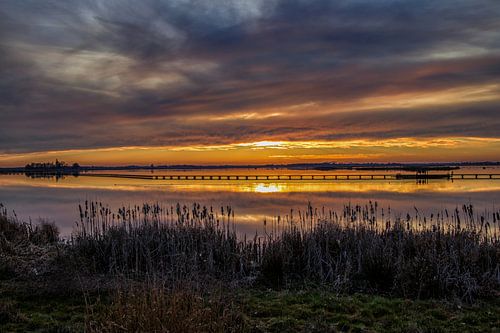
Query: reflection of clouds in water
column 368, row 186
column 252, row 202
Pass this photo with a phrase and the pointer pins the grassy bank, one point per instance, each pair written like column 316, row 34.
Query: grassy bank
column 185, row 269
column 245, row 310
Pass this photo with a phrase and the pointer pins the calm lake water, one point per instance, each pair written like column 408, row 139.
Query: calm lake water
column 253, row 201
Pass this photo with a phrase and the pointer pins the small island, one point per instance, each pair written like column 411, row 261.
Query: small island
column 55, row 169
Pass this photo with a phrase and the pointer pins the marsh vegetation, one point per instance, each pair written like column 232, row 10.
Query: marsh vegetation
column 185, row 268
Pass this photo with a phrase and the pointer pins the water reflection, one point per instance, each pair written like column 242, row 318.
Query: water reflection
column 268, row 188
column 253, row 201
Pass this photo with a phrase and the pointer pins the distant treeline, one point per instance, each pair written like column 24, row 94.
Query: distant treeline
column 57, row 169
column 51, row 166
column 62, row 167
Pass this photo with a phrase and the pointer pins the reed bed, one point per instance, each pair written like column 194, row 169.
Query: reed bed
column 173, row 242
column 360, row 248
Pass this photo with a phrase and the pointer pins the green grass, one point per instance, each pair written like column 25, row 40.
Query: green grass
column 270, row 311
column 27, row 306
column 299, row 311
column 41, row 314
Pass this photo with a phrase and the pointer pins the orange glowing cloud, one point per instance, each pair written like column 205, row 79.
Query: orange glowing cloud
column 239, row 82
column 360, row 150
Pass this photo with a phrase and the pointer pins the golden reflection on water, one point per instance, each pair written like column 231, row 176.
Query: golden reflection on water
column 268, row 188
column 259, row 186
column 253, row 200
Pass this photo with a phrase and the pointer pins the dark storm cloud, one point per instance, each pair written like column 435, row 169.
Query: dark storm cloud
column 83, row 74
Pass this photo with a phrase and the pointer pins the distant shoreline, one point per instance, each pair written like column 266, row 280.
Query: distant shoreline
column 295, row 166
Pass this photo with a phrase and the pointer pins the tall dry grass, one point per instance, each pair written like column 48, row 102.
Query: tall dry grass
column 361, row 248
column 154, row 308
column 174, row 242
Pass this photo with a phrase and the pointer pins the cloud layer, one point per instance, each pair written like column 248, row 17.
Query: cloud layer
column 99, row 73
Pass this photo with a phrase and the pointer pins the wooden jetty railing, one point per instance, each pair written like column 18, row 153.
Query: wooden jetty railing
column 330, row 177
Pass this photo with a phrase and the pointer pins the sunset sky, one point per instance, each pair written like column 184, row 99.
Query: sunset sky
column 111, row 82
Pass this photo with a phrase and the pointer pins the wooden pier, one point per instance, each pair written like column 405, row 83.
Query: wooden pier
column 304, row 177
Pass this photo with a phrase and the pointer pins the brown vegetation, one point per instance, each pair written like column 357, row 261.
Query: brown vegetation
column 359, row 249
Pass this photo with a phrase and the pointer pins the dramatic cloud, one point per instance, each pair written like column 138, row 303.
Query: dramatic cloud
column 98, row 74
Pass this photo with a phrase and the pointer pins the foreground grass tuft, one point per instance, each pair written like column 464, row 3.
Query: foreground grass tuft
column 154, row 309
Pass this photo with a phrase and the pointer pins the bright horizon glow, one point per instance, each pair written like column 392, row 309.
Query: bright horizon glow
column 277, row 152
